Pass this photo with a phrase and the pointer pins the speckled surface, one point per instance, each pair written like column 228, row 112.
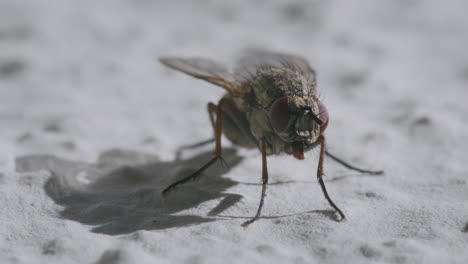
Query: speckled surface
column 90, row 123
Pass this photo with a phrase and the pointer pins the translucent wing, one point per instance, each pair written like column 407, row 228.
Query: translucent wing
column 205, row 69
column 248, row 65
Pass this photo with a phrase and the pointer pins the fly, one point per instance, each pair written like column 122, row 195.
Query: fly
column 270, row 104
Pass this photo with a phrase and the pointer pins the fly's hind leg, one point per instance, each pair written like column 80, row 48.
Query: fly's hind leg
column 351, row 167
column 218, row 125
column 213, row 111
column 212, row 108
column 193, row 146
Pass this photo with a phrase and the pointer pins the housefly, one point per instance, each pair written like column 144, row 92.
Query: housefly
column 270, row 104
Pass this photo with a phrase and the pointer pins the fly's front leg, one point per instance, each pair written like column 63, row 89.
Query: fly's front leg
column 320, row 178
column 264, row 186
column 218, row 134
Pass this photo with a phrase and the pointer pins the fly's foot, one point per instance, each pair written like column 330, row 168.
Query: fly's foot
column 248, row 223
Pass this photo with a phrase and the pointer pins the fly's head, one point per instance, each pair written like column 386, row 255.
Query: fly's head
column 298, row 121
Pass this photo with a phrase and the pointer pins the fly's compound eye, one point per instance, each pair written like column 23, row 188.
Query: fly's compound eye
column 280, row 114
column 323, row 115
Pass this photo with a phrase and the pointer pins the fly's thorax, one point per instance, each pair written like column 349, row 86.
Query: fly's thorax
column 273, row 82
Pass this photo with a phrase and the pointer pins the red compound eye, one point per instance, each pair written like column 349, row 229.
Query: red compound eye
column 280, row 114
column 323, row 115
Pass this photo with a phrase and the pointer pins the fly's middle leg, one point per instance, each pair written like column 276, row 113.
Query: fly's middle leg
column 212, row 108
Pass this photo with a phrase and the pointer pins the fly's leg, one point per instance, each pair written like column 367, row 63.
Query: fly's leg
column 320, row 178
column 218, row 134
column 212, row 108
column 212, row 111
column 264, row 186
column 193, row 146
column 351, row 167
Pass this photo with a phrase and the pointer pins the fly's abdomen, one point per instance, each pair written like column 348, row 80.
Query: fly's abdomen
column 236, row 126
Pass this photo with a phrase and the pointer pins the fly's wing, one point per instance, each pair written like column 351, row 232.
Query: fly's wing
column 206, row 69
column 248, row 65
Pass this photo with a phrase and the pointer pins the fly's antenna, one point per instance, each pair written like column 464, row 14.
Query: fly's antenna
column 314, row 116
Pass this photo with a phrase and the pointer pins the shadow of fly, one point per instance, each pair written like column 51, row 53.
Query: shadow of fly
column 271, row 104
